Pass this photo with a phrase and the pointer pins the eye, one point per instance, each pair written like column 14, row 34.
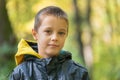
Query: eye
column 61, row 33
column 48, row 31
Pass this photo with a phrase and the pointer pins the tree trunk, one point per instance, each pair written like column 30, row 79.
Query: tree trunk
column 78, row 21
column 6, row 33
column 7, row 37
column 88, row 45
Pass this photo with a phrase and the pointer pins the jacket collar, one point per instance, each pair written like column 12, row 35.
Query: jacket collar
column 51, row 64
column 28, row 50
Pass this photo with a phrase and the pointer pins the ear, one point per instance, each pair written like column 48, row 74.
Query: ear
column 34, row 33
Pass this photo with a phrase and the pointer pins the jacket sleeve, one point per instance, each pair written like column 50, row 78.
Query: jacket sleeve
column 16, row 75
column 81, row 73
column 85, row 76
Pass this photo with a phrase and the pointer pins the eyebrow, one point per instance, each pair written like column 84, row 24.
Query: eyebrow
column 63, row 29
column 48, row 27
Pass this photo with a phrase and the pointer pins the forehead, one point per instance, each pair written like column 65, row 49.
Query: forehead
column 52, row 21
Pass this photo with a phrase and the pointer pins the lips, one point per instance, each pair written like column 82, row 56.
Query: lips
column 53, row 45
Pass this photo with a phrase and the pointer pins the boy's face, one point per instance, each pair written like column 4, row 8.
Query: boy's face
column 51, row 35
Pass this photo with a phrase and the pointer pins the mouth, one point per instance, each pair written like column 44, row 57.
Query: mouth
column 53, row 45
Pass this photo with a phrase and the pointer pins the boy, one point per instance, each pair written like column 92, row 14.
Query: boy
column 45, row 60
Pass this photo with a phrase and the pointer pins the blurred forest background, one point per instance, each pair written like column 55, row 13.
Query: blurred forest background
column 94, row 33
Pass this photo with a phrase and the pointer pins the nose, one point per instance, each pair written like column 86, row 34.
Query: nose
column 54, row 37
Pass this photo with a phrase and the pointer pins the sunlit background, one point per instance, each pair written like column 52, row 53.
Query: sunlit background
column 94, row 33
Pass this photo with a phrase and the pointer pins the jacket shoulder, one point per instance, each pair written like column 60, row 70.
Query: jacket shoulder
column 19, row 72
column 77, row 65
column 80, row 66
column 78, row 70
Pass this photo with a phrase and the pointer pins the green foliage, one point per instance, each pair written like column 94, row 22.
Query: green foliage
column 5, row 69
column 107, row 67
column 6, row 60
column 7, row 49
column 21, row 10
column 6, row 52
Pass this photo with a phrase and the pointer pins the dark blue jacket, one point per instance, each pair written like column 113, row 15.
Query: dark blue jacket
column 60, row 67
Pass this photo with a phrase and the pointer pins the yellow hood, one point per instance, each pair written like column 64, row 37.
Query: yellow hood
column 23, row 49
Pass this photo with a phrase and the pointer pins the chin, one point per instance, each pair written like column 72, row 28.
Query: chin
column 53, row 53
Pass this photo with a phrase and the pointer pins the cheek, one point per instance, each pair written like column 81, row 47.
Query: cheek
column 42, row 40
column 62, row 42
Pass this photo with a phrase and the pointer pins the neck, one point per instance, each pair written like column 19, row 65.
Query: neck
column 43, row 55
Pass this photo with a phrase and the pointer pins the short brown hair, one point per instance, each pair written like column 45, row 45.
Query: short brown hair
column 50, row 10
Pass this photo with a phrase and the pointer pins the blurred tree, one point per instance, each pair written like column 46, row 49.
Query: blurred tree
column 85, row 48
column 7, row 37
column 6, row 32
column 78, row 21
column 7, row 42
column 85, row 45
column 88, row 54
